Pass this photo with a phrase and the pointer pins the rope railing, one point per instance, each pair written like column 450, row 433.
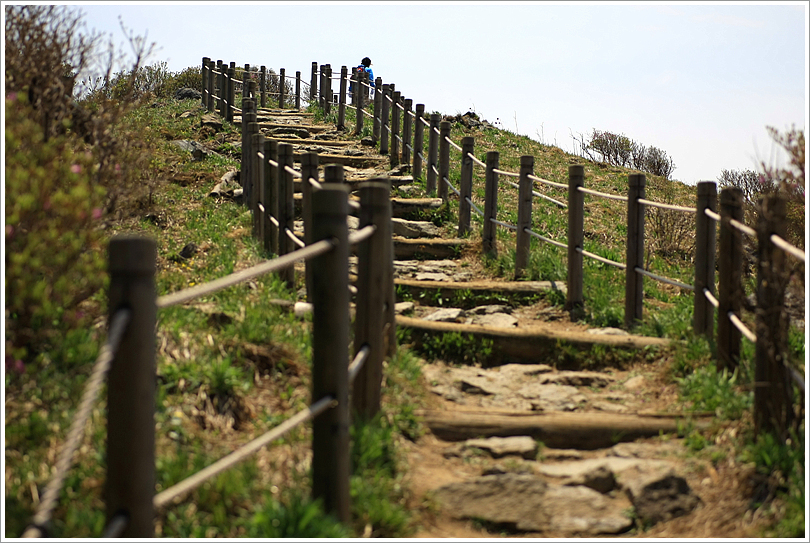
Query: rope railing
column 666, row 206
column 602, row 194
column 75, row 434
column 787, row 247
column 742, row 327
column 293, row 172
column 709, row 296
column 508, row 174
column 358, row 361
column 167, row 496
column 543, row 238
column 295, row 239
column 747, row 230
column 601, row 259
column 452, row 144
column 116, row 526
column 449, row 184
column 505, row 225
column 275, row 264
column 362, row 234
column 663, row 279
column 474, row 207
column 476, row 160
column 711, row 214
column 547, row 182
column 540, row 195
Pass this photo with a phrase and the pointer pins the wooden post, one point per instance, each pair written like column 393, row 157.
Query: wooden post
column 309, row 169
column 298, row 90
column 729, row 268
column 313, row 83
column 396, row 103
column 489, row 241
column 211, row 86
column 322, row 88
column 418, row 141
column 386, row 94
column 286, row 210
column 465, row 186
column 245, row 84
column 576, row 240
column 263, row 85
column 361, row 96
column 634, row 281
column 444, row 160
column 231, row 94
column 341, row 124
column 375, row 209
column 327, row 97
column 406, row 131
column 256, row 176
column 378, row 100
column 524, row 222
column 248, row 117
column 271, row 195
column 330, row 347
column 705, row 242
column 433, row 152
column 204, row 74
column 220, row 89
column 130, row 484
column 282, row 87
column 773, row 395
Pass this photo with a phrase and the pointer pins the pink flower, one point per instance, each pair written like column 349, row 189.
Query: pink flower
column 76, row 168
column 97, row 213
column 9, row 230
column 12, row 96
column 13, row 364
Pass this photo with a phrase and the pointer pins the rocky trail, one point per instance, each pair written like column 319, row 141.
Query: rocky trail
column 520, row 443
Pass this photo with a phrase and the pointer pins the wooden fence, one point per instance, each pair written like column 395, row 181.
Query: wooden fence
column 267, row 179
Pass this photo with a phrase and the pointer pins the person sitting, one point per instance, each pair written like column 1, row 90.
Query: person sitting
column 365, row 66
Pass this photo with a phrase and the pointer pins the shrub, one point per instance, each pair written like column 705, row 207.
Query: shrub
column 619, row 150
column 54, row 258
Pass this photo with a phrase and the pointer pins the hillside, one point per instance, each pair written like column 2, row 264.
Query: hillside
column 236, row 363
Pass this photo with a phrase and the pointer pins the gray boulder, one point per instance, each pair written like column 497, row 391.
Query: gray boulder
column 187, row 93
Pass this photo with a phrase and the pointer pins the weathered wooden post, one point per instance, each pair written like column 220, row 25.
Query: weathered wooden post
column 375, row 209
column 341, row 123
column 205, row 75
column 130, row 484
column 705, row 242
column 322, row 88
column 271, row 195
column 248, row 117
column 246, row 84
column 231, row 93
column 221, row 90
column 330, row 347
column 313, row 83
column 309, row 169
column 418, row 141
column 263, row 85
column 576, row 240
column 211, row 86
column 524, row 222
column 256, row 176
column 433, row 152
column 773, row 395
column 489, row 236
column 729, row 269
column 282, row 87
column 465, row 186
column 634, row 281
column 361, row 96
column 386, row 95
column 298, row 90
column 378, row 100
column 286, row 211
column 327, row 107
column 444, row 160
column 396, row 105
column 406, row 131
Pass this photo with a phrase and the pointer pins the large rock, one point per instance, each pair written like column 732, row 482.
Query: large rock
column 498, row 447
column 212, row 121
column 497, row 320
column 526, row 503
column 659, row 495
column 449, row 314
column 414, row 229
column 187, row 93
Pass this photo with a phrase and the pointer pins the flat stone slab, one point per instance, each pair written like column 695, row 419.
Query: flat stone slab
column 498, row 447
column 526, row 503
column 498, row 320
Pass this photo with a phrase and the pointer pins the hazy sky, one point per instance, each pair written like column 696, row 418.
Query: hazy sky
column 696, row 80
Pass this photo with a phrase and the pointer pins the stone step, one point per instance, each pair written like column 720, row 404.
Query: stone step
column 421, row 249
column 527, row 344
column 456, row 293
column 413, row 207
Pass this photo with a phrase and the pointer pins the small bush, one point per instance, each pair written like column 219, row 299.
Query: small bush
column 619, row 150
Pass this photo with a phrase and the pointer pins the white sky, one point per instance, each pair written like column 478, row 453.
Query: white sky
column 700, row 81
